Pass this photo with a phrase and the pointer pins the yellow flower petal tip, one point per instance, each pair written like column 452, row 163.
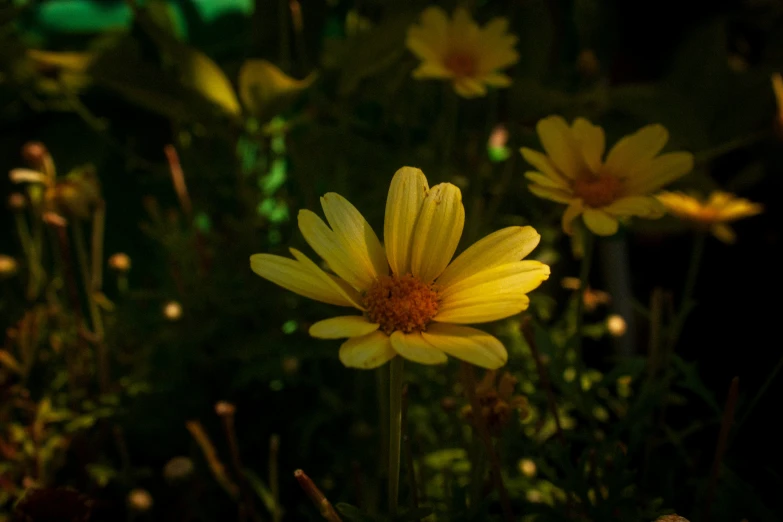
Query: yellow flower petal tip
column 602, row 189
column 712, row 213
column 413, row 298
column 459, row 51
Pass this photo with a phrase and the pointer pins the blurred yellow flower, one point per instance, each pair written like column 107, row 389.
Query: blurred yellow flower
column 460, row 51
column 574, row 172
column 719, row 209
column 414, row 301
column 777, row 89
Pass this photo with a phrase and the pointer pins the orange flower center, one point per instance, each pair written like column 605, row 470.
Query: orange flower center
column 402, row 303
column 598, row 191
column 461, row 64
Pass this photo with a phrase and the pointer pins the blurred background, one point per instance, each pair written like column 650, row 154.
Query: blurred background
column 206, row 125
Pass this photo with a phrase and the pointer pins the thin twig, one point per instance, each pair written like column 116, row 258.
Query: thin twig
column 274, row 482
column 407, row 453
column 226, row 412
column 543, row 377
column 178, row 179
column 720, row 448
column 469, row 382
column 318, row 498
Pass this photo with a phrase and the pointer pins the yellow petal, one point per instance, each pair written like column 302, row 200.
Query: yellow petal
column 561, row 147
column 491, row 294
column 295, row 277
column 342, row 327
column 428, row 41
column 496, row 80
column 544, row 165
column 499, row 248
column 432, row 70
column 467, row 344
column 265, row 90
column 561, row 196
column 546, row 181
column 469, row 88
column 599, row 222
column 642, row 206
column 777, row 89
column 571, row 213
column 591, row 141
column 659, row 172
column 406, row 195
column 355, row 235
column 413, row 347
column 635, row 149
column 367, row 352
column 437, row 231
column 325, row 243
column 723, row 232
column 338, row 285
column 202, row 74
column 740, row 208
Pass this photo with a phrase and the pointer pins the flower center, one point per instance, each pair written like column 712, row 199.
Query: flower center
column 598, row 191
column 461, row 64
column 402, row 303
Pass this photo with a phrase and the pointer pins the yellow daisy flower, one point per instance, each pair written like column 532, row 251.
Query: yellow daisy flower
column 460, row 51
column 720, row 208
column 413, row 299
column 602, row 191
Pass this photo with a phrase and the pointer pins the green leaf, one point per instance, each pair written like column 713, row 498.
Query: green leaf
column 693, row 382
column 353, row 513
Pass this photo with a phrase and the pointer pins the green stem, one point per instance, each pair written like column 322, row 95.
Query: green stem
column 760, row 394
column 81, row 258
column 584, row 276
column 395, row 431
column 690, row 285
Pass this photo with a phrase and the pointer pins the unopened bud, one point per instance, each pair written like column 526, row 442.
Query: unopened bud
column 290, row 365
column 587, row 63
column 178, row 468
column 448, row 404
column 527, row 467
column 172, row 311
column 34, row 153
column 120, row 262
column 16, row 202
column 8, row 265
column 616, row 325
column 139, row 500
column 224, row 408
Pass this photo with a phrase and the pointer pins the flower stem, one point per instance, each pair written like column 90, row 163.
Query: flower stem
column 584, row 276
column 469, row 383
column 690, row 285
column 395, row 431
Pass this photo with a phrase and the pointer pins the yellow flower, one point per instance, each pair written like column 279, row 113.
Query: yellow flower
column 602, row 191
column 460, row 51
column 414, row 301
column 719, row 209
column 777, row 89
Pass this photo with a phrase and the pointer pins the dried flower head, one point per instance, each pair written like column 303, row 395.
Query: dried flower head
column 495, row 394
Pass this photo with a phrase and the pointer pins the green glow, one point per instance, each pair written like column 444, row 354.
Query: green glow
column 290, row 326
